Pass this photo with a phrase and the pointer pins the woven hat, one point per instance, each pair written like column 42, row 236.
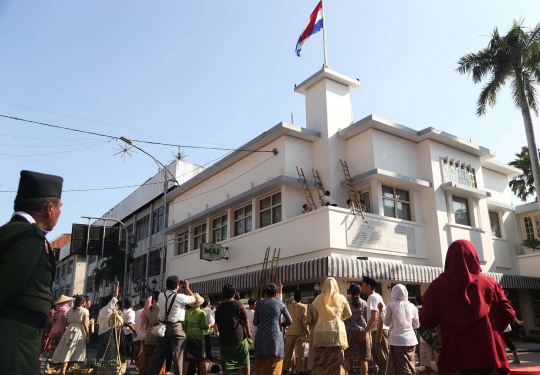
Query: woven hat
column 198, row 300
column 63, row 298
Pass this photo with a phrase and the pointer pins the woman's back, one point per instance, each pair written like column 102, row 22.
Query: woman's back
column 402, row 318
column 151, row 319
column 269, row 339
column 76, row 316
column 358, row 319
column 229, row 315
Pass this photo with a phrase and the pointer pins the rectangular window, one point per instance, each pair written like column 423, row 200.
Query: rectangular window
column 182, row 239
column 461, row 211
column 70, row 267
column 396, row 203
column 199, row 235
column 90, row 284
column 167, row 216
column 243, row 220
column 157, row 220
column 270, row 210
column 219, row 229
column 365, row 199
column 64, row 270
column 455, row 171
column 139, row 268
column 154, row 263
column 535, row 298
column 58, row 271
column 142, row 227
column 67, row 290
column 495, row 224
column 91, row 259
column 529, row 229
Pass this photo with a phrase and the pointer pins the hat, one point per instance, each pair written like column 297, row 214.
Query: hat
column 62, row 299
column 39, row 185
column 198, row 300
column 369, row 281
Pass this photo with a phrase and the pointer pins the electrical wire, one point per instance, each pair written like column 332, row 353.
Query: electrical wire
column 226, row 183
column 53, row 146
column 134, row 140
column 50, row 139
column 60, row 152
column 108, row 123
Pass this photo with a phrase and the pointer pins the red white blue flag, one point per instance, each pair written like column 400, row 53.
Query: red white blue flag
column 315, row 24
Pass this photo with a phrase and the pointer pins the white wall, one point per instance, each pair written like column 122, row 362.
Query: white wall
column 360, row 155
column 395, row 154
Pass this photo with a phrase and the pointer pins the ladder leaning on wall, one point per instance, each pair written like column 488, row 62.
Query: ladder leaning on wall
column 307, row 191
column 353, row 194
column 268, row 275
column 318, row 183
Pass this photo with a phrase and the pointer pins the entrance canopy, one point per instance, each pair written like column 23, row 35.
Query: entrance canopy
column 354, row 269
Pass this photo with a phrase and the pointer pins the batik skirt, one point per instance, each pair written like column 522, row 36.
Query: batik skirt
column 107, row 345
column 194, row 352
column 145, row 358
column 401, row 360
column 329, row 360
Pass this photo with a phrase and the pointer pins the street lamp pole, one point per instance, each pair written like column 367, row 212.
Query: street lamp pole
column 165, row 186
column 105, row 219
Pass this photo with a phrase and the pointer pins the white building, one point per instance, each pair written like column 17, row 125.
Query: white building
column 423, row 190
column 144, row 215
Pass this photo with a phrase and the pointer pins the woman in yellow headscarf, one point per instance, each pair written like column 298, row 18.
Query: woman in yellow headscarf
column 329, row 335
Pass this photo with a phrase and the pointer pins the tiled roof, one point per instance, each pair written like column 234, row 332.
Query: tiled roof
column 61, row 240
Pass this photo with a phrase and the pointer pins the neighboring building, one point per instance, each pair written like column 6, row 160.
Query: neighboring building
column 70, row 270
column 423, row 190
column 144, row 215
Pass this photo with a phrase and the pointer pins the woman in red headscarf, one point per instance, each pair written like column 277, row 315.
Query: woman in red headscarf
column 472, row 312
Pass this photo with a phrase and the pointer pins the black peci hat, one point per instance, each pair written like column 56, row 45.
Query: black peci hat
column 369, row 281
column 39, row 185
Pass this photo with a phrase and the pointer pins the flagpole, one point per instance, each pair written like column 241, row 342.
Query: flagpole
column 324, row 35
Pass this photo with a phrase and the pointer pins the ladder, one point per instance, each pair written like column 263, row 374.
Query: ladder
column 307, row 192
column 268, row 275
column 318, row 183
column 353, row 194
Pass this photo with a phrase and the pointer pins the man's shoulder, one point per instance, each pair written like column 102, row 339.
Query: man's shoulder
column 13, row 228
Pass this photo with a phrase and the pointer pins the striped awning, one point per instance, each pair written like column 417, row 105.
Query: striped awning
column 354, row 269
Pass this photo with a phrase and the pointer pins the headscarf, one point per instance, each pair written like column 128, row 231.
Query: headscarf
column 328, row 303
column 142, row 318
column 400, row 305
column 459, row 296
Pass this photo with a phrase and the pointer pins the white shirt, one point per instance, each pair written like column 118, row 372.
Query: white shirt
column 140, row 334
column 210, row 317
column 129, row 317
column 508, row 329
column 28, row 217
column 419, row 307
column 178, row 309
column 402, row 317
column 103, row 317
column 251, row 314
column 327, row 199
column 373, row 303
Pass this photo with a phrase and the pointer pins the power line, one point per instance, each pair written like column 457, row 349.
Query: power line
column 50, row 139
column 226, row 183
column 52, row 146
column 107, row 123
column 60, row 152
column 134, row 140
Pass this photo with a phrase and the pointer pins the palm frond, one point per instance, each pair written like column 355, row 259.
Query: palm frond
column 530, row 92
column 534, row 36
column 488, row 95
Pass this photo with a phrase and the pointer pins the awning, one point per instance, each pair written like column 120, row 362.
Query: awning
column 354, row 269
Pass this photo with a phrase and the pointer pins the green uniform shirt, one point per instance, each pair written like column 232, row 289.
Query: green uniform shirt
column 25, row 268
column 195, row 323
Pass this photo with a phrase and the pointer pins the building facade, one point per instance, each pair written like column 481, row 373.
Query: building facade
column 422, row 190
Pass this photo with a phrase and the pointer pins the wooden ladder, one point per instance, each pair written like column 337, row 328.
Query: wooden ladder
column 318, row 183
column 307, row 191
column 268, row 275
column 353, row 194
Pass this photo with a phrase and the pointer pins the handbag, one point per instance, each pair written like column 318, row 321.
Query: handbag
column 159, row 328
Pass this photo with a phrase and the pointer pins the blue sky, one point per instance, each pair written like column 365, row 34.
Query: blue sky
column 219, row 73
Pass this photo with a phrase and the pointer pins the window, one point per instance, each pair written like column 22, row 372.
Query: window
column 182, row 246
column 90, row 284
column 64, row 270
column 139, row 268
column 365, row 196
column 199, row 235
column 455, row 171
column 219, row 229
column 70, row 267
column 167, row 216
column 461, row 211
column 513, row 296
column 243, row 220
column 129, row 229
column 396, row 203
column 92, row 259
column 495, row 224
column 529, row 229
column 154, row 263
column 270, row 210
column 535, row 298
column 157, row 220
column 57, row 274
column 67, row 290
column 142, row 227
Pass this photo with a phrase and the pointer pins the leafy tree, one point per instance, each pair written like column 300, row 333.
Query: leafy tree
column 113, row 267
column 523, row 186
column 532, row 243
column 514, row 57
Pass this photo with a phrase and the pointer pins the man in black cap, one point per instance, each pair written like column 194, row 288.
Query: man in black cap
column 379, row 350
column 27, row 270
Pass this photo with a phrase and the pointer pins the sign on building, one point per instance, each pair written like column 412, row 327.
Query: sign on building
column 210, row 252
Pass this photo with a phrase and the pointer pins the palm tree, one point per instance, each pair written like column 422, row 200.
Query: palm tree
column 523, row 186
column 514, row 57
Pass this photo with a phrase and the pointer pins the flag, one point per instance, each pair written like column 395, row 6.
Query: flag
column 314, row 24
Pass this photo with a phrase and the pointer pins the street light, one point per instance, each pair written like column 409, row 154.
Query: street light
column 165, row 185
